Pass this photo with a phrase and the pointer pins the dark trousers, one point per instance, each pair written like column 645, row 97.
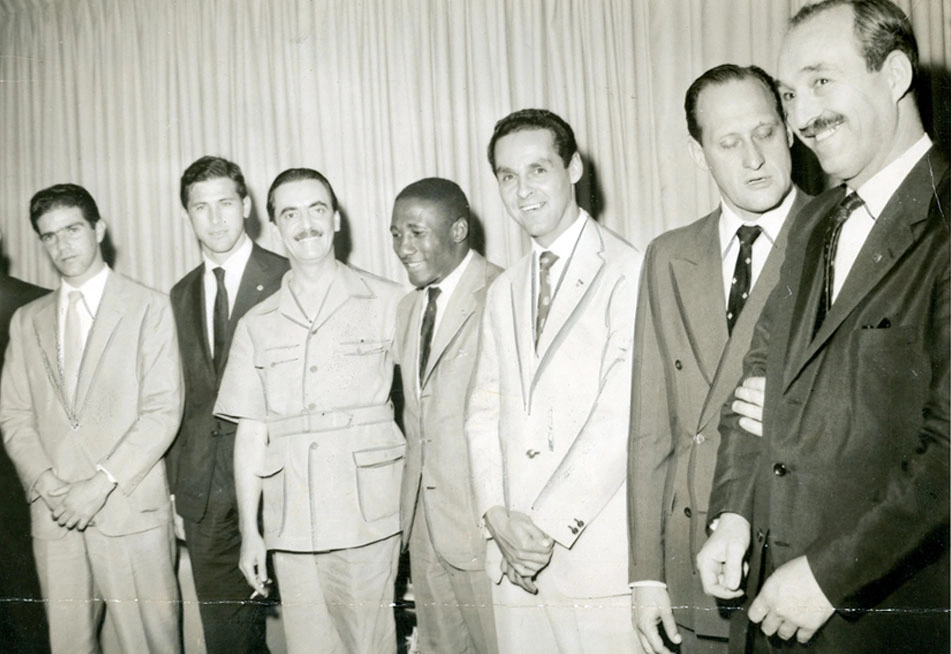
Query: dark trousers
column 23, row 625
column 231, row 622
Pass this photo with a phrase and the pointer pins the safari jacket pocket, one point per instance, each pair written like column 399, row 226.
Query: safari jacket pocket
column 379, row 472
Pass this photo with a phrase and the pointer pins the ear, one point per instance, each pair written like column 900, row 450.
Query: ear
column 246, row 206
column 100, row 230
column 336, row 221
column 696, row 152
column 897, row 67
column 789, row 135
column 460, row 230
column 575, row 168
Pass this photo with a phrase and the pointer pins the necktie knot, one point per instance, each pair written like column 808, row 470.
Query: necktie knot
column 748, row 234
column 219, row 274
column 433, row 293
column 74, row 298
column 844, row 209
column 547, row 259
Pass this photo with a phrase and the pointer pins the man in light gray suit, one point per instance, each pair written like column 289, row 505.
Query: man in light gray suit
column 436, row 340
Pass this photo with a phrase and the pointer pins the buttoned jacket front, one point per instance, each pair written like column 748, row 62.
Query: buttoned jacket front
column 332, row 479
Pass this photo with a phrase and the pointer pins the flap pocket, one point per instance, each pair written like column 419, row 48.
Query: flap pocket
column 379, row 456
column 272, row 465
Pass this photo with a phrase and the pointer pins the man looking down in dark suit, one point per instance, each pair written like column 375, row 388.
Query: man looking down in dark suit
column 235, row 275
column 845, row 497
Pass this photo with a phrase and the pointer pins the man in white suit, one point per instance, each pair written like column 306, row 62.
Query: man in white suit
column 437, row 337
column 547, row 418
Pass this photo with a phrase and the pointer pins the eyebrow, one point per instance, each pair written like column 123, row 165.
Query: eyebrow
column 53, row 232
column 318, row 203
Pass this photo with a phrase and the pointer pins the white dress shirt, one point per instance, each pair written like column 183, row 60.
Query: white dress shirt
column 92, row 291
column 771, row 223
column 563, row 247
column 875, row 193
column 234, row 269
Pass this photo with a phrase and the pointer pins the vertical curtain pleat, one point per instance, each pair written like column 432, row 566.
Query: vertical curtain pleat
column 121, row 95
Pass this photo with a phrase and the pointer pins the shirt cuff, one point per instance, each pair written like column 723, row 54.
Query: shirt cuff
column 112, row 480
column 648, row 583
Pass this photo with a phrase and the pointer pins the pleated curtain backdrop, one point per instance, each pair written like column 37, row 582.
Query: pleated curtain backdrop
column 121, row 95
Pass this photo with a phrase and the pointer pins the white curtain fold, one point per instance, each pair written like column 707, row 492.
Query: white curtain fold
column 121, row 95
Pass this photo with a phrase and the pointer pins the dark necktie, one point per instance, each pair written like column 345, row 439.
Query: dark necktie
column 72, row 346
column 545, row 261
column 426, row 332
column 834, row 222
column 220, row 318
column 742, row 273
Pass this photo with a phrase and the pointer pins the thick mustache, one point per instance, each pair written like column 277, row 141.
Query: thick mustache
column 308, row 233
column 821, row 123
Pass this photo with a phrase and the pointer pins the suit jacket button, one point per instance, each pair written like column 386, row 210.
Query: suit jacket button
column 687, row 511
column 574, row 530
column 699, row 438
column 780, row 469
column 531, row 454
column 580, row 523
column 313, row 368
column 678, row 365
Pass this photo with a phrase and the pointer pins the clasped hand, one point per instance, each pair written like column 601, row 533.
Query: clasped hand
column 74, row 505
column 525, row 548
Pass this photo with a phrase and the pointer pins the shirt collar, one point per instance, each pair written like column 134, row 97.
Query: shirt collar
column 92, row 290
column 771, row 222
column 448, row 285
column 565, row 243
column 235, row 263
column 878, row 189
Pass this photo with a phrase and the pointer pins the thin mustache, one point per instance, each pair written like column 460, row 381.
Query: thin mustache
column 819, row 124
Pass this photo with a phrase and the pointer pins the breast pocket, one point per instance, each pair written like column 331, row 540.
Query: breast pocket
column 362, row 347
column 379, row 473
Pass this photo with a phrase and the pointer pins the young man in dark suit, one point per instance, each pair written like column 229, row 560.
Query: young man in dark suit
column 844, row 499
column 235, row 275
column 22, row 620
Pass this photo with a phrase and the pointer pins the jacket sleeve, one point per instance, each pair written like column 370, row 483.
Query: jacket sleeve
column 17, row 411
column 595, row 466
column 482, row 416
column 650, row 448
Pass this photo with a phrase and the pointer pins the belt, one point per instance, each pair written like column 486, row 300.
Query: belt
column 332, row 420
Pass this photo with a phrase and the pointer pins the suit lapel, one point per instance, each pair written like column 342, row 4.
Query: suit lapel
column 194, row 298
column 738, row 342
column 460, row 307
column 520, row 296
column 578, row 279
column 698, row 276
column 108, row 316
column 891, row 236
column 46, row 328
column 251, row 291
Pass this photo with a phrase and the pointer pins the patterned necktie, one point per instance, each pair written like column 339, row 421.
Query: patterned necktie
column 426, row 332
column 72, row 346
column 742, row 274
column 545, row 261
column 220, row 318
column 834, row 222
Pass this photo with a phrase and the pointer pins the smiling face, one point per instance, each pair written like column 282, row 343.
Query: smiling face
column 745, row 146
column 428, row 240
column 536, row 186
column 217, row 214
column 72, row 243
column 845, row 113
column 305, row 220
